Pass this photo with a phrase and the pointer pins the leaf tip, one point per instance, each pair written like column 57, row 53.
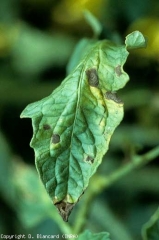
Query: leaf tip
column 64, row 209
column 22, row 115
column 135, row 40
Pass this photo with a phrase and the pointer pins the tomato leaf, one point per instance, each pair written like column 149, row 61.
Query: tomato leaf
column 72, row 127
column 135, row 40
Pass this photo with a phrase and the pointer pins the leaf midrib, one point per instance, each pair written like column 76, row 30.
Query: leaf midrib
column 83, row 68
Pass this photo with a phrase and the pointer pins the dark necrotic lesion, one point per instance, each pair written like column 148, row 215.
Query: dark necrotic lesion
column 55, row 138
column 118, row 70
column 92, row 77
column 112, row 96
column 90, row 159
column 46, row 127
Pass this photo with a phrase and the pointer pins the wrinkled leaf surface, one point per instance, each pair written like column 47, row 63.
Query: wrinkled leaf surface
column 72, row 127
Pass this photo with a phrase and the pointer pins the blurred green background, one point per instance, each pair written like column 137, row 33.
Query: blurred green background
column 37, row 39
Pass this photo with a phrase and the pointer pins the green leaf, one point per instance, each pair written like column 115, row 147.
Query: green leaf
column 6, row 171
column 34, row 50
column 72, row 127
column 135, row 40
column 81, row 48
column 94, row 236
column 93, row 22
column 150, row 230
column 30, row 210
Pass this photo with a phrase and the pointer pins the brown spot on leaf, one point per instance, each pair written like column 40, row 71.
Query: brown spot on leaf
column 90, row 159
column 92, row 77
column 118, row 70
column 112, row 96
column 46, row 127
column 55, row 138
column 64, row 209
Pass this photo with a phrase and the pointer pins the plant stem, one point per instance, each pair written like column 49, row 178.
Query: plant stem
column 99, row 183
column 83, row 212
column 136, row 162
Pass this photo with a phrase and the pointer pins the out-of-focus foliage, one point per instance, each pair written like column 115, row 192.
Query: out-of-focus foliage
column 70, row 12
column 34, row 50
column 149, row 27
column 151, row 228
column 37, row 39
column 29, row 191
column 95, row 236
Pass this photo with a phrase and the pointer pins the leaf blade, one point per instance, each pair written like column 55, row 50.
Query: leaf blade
column 135, row 40
column 82, row 113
